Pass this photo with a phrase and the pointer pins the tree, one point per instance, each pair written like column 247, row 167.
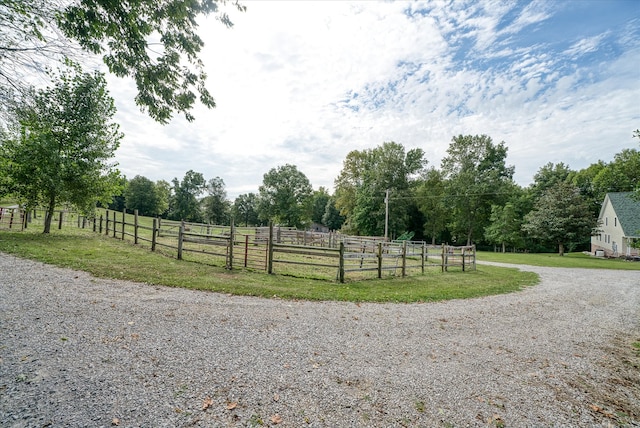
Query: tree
column 319, row 205
column 245, row 208
column 430, row 194
column 163, row 195
column 184, row 201
column 332, row 217
column 62, row 143
column 548, row 176
column 285, row 196
column 143, row 195
column 477, row 178
column 217, row 209
column 561, row 216
column 505, row 226
column 117, row 202
column 620, row 175
column 127, row 33
column 364, row 180
column 584, row 180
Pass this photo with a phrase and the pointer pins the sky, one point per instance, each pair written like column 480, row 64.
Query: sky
column 306, row 82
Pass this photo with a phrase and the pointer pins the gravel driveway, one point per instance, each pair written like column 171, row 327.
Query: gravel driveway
column 76, row 351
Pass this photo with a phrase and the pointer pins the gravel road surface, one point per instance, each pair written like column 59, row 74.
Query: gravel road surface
column 77, row 351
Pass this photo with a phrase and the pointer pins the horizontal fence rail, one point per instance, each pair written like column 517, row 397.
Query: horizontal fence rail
column 270, row 249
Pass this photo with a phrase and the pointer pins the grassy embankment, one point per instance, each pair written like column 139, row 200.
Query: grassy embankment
column 112, row 258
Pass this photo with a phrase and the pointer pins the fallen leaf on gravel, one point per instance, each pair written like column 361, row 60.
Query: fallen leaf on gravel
column 276, row 397
column 115, row 421
column 276, row 419
column 232, row 405
column 599, row 409
column 208, row 402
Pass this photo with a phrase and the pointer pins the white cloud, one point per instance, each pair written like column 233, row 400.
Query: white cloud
column 307, row 82
column 586, row 45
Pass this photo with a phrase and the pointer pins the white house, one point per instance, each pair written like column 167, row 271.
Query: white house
column 619, row 226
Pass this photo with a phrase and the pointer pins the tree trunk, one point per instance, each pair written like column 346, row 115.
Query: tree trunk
column 561, row 249
column 433, row 240
column 503, row 248
column 49, row 216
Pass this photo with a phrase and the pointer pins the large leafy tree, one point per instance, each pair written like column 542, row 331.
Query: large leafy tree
column 153, row 41
column 477, row 178
column 620, row 175
column 145, row 196
column 430, row 197
column 319, row 205
column 286, row 196
column 584, row 180
column 548, row 176
column 216, row 207
column 505, row 226
column 62, row 143
column 364, row 180
column 561, row 217
column 245, row 209
column 184, row 204
column 332, row 217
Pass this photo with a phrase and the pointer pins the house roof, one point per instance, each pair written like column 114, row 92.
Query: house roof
column 628, row 212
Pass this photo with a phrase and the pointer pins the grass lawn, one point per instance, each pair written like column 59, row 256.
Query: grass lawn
column 569, row 260
column 107, row 257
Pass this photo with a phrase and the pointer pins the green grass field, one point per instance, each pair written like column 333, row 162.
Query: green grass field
column 107, row 257
column 569, row 260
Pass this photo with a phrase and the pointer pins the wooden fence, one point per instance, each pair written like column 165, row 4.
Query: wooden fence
column 12, row 218
column 273, row 249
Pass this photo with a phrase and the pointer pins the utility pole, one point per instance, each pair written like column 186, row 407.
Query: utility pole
column 386, row 216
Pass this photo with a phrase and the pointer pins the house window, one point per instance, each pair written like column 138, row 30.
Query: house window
column 606, row 221
column 615, row 221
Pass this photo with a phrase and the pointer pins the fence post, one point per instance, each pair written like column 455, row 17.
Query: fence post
column 153, row 234
column 443, row 258
column 404, row 258
column 270, row 250
column 232, row 233
column 341, row 264
column 100, row 225
column 246, row 249
column 379, row 260
column 107, row 223
column 474, row 256
column 115, row 224
column 135, row 227
column 180, row 237
column 60, row 220
column 124, row 211
column 424, row 253
column 464, row 256
column 94, row 222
